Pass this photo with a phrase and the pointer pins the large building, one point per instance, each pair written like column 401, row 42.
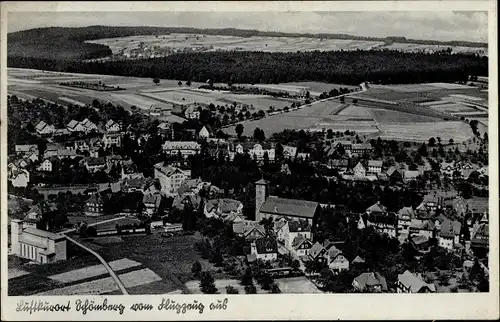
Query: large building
column 37, row 245
column 185, row 148
column 170, row 177
column 277, row 208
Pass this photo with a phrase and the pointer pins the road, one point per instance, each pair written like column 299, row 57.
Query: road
column 106, row 265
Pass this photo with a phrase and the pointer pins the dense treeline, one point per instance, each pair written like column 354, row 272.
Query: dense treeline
column 353, row 67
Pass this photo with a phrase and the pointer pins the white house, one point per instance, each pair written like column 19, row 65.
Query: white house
column 374, row 167
column 20, row 178
column 111, row 139
column 301, row 246
column 449, row 236
column 75, row 126
column 185, row 148
column 88, row 125
column 265, row 249
column 112, row 126
column 359, row 170
column 411, row 283
column 170, row 177
column 204, row 133
column 40, row 246
column 293, row 229
column 192, row 112
column 43, row 128
column 94, row 164
column 336, row 261
column 46, row 166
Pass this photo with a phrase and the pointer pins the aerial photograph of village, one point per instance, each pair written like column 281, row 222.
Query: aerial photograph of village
column 169, row 154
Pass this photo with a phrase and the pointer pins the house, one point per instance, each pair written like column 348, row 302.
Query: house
column 405, row 216
column 33, row 217
column 88, row 125
column 425, row 228
column 192, row 112
column 224, row 208
column 94, row 164
column 114, row 159
column 340, row 164
column 58, row 151
column 358, row 261
column 409, row 175
column 75, row 126
column 359, row 170
column 44, row 129
column 192, row 186
column 111, row 139
column 293, row 229
column 411, row 283
column 151, row 202
column 303, row 156
column 360, row 149
column 376, row 216
column 204, row 133
column 112, row 126
column 26, row 149
column 395, row 174
column 370, row 282
column 61, row 132
column 45, row 166
column 37, row 245
column 256, row 151
column 81, row 145
column 301, row 246
column 265, row 249
column 170, row 177
column 164, row 129
column 449, row 236
column 129, row 170
column 335, row 260
column 276, row 208
column 345, row 144
column 191, row 200
column 480, row 239
column 420, row 243
column 289, row 152
column 374, row 167
column 447, row 168
column 317, row 252
column 249, row 230
column 20, row 178
column 185, row 148
column 94, row 206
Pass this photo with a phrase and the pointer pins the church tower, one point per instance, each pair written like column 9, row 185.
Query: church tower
column 261, row 194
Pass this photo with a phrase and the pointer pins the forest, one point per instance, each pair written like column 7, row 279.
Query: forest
column 353, row 67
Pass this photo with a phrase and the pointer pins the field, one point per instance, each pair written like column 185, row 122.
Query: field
column 387, row 116
column 421, row 132
column 220, row 284
column 214, row 43
column 191, row 42
column 297, row 285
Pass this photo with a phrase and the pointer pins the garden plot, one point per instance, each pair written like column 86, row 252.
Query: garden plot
column 194, row 286
column 388, row 116
column 467, row 97
column 297, row 285
column 452, row 108
column 449, row 86
column 421, row 132
column 71, row 101
column 14, row 272
column 93, row 271
column 106, row 285
column 356, row 111
column 132, row 99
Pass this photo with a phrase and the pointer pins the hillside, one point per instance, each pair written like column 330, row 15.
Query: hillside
column 69, row 43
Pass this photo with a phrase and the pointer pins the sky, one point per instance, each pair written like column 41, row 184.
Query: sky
column 432, row 25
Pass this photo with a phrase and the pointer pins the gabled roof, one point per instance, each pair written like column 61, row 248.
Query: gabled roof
column 450, row 228
column 406, row 211
column 72, row 124
column 96, row 161
column 333, row 252
column 289, row 207
column 300, row 240
column 413, row 282
column 377, row 207
column 181, row 145
column 426, row 225
column 41, row 125
column 410, row 174
column 316, row 250
column 358, row 260
column 167, row 170
column 419, row 240
column 375, row 163
column 43, row 233
column 266, row 246
column 371, row 279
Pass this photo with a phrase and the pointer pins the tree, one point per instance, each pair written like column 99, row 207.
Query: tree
column 196, row 269
column 250, row 289
column 295, row 265
column 231, row 290
column 274, row 288
column 207, row 283
column 259, row 135
column 247, row 277
column 342, row 99
column 239, row 130
column 179, row 83
column 432, row 141
column 451, row 141
column 156, row 80
column 355, row 101
column 188, row 83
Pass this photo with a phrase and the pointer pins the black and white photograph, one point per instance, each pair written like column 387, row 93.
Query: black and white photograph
column 247, row 152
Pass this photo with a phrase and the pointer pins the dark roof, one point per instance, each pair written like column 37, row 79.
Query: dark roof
column 289, row 207
column 266, row 246
column 413, row 282
column 371, row 279
column 96, row 161
column 450, row 228
column 316, row 250
column 299, row 226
